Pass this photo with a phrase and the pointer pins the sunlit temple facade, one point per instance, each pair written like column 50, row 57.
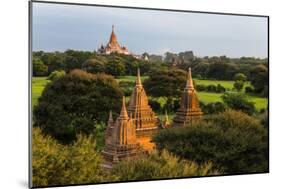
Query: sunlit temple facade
column 131, row 133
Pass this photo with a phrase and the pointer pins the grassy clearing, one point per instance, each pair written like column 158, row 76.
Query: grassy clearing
column 226, row 84
column 39, row 83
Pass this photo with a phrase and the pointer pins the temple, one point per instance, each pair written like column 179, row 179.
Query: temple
column 130, row 136
column 113, row 46
column 120, row 139
column 189, row 110
column 144, row 119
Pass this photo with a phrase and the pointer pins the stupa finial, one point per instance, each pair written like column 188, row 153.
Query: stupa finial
column 138, row 81
column 189, row 82
column 123, row 113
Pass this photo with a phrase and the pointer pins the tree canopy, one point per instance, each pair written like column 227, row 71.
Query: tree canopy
column 75, row 103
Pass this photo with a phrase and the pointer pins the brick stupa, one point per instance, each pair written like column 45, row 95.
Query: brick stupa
column 189, row 110
column 144, row 119
column 120, row 139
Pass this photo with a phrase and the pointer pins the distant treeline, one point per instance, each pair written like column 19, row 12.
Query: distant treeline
column 218, row 68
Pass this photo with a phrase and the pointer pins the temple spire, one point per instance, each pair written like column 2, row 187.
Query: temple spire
column 189, row 82
column 138, row 81
column 123, row 113
column 112, row 28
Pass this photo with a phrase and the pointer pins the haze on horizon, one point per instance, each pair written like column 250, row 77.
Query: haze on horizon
column 58, row 27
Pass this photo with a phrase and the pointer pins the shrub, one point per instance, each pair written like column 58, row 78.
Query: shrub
column 238, row 101
column 160, row 165
column 56, row 74
column 201, row 87
column 56, row 164
column 76, row 103
column 233, row 141
column 249, row 89
column 220, row 89
column 213, row 107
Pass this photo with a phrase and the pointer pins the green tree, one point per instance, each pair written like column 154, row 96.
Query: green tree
column 39, row 68
column 168, row 84
column 94, row 65
column 238, row 85
column 233, row 141
column 56, row 164
column 259, row 79
column 239, row 101
column 56, row 74
column 76, row 103
column 115, row 66
column 75, row 59
column 240, row 77
column 160, row 165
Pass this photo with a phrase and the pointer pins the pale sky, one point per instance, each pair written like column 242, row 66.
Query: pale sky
column 58, row 27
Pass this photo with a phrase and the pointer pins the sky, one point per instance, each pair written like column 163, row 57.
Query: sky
column 58, row 27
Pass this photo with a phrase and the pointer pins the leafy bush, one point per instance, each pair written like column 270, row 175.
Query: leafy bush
column 76, row 103
column 56, row 164
column 233, row 141
column 239, row 101
column 213, row 107
column 211, row 88
column 56, row 74
column 127, row 87
column 238, row 85
column 249, row 89
column 160, row 165
column 39, row 68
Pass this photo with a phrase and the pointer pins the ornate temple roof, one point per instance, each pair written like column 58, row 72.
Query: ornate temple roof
column 113, row 38
column 144, row 117
column 189, row 106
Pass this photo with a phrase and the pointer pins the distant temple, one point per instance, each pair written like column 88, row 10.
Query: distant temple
column 131, row 135
column 189, row 107
column 113, row 46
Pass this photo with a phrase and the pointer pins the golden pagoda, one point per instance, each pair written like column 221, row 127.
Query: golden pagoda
column 189, row 110
column 144, row 119
column 121, row 143
column 113, row 46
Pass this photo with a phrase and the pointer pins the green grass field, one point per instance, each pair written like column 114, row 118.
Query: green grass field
column 226, row 84
column 39, row 83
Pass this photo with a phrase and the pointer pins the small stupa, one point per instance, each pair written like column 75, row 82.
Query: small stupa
column 189, row 110
column 120, row 143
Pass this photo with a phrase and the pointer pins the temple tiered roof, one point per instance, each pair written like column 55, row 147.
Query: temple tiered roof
column 121, row 142
column 189, row 108
column 113, row 46
column 144, row 117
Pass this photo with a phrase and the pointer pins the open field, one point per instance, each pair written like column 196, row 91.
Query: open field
column 38, row 84
column 226, row 84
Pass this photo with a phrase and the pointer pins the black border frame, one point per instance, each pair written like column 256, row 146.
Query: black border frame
column 30, row 48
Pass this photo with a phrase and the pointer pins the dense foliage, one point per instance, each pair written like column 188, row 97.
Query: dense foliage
column 239, row 101
column 56, row 164
column 76, row 103
column 233, row 141
column 56, row 74
column 160, row 165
